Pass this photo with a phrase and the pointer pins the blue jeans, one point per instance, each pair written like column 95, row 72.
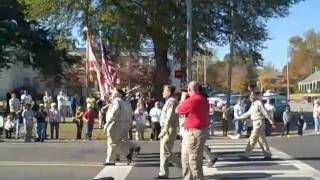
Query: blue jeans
column 89, row 131
column 238, row 127
column 316, row 125
column 41, row 131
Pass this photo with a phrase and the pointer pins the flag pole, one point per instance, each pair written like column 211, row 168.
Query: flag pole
column 87, row 60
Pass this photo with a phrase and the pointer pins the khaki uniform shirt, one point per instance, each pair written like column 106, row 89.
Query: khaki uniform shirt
column 256, row 112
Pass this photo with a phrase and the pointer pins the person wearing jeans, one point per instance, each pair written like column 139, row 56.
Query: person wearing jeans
column 286, row 121
column 88, row 118
column 41, row 116
column 316, row 113
column 79, row 121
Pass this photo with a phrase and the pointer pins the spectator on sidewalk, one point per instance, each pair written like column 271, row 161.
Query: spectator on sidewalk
column 286, row 117
column 26, row 98
column 238, row 110
column 28, row 115
column 79, row 121
column 14, row 105
column 62, row 105
column 225, row 120
column 41, row 117
column 316, row 116
column 140, row 117
column 300, row 122
column 47, row 100
column 74, row 104
column 155, row 114
column 19, row 121
column 54, row 120
column 88, row 118
column 270, row 110
column 9, row 126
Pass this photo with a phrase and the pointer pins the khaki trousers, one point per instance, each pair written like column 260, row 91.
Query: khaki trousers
column 116, row 143
column 28, row 127
column 193, row 144
column 166, row 155
column 258, row 135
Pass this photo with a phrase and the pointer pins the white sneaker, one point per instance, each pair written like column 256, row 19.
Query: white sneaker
column 288, row 135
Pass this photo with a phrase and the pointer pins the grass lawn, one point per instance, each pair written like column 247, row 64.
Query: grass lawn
column 68, row 132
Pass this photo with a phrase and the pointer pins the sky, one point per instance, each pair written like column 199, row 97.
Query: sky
column 303, row 16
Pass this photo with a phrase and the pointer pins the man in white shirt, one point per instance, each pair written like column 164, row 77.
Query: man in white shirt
column 155, row 114
column 26, row 98
column 238, row 110
column 62, row 108
column 14, row 105
column 270, row 110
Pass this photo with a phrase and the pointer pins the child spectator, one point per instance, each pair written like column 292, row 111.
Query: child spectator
column 225, row 120
column 140, row 116
column 9, row 126
column 300, row 122
column 79, row 120
column 41, row 116
column 286, row 121
column 88, row 118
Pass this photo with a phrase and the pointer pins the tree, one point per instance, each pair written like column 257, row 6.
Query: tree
column 304, row 55
column 129, row 23
column 26, row 41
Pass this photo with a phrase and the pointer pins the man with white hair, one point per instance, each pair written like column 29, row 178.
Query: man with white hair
column 118, row 122
column 26, row 98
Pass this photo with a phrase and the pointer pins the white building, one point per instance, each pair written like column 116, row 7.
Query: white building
column 311, row 83
column 19, row 76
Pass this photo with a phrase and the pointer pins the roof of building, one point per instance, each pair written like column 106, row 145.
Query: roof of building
column 312, row 77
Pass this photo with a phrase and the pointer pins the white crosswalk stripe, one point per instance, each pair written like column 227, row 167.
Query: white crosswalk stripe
column 228, row 166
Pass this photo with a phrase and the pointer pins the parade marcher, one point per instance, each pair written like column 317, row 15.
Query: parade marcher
column 9, row 126
column 79, row 121
column 62, row 105
column 28, row 115
column 168, row 132
column 286, row 117
column 238, row 110
column 270, row 110
column 155, row 114
column 41, row 117
column 118, row 122
column 47, row 100
column 196, row 110
column 140, row 116
column 257, row 114
column 14, row 105
column 89, row 117
column 26, row 98
column 54, row 120
column 300, row 122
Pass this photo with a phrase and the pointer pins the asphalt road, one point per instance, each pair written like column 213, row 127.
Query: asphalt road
column 51, row 161
column 305, row 148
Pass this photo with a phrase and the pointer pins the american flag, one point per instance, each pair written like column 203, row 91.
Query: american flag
column 108, row 68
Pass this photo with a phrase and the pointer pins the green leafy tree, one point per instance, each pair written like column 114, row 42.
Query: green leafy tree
column 129, row 24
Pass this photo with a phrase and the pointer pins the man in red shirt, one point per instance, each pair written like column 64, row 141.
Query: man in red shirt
column 88, row 118
column 196, row 110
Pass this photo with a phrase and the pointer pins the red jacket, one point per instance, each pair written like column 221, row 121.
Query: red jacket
column 196, row 108
column 89, row 116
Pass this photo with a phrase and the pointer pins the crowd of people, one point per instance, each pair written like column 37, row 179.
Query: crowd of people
column 191, row 118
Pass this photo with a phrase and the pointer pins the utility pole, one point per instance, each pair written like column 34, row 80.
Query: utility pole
column 205, row 70
column 189, row 41
column 288, row 79
column 197, row 61
column 231, row 53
